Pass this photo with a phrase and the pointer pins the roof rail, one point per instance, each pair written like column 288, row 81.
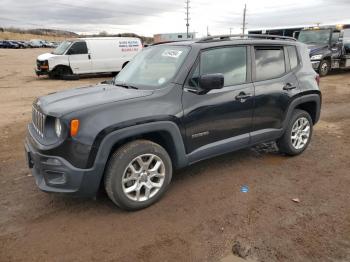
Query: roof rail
column 245, row 36
column 164, row 42
column 170, row 41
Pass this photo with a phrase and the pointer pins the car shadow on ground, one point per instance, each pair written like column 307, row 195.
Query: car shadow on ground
column 104, row 204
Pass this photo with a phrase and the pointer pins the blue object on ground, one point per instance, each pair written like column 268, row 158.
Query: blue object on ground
column 244, row 189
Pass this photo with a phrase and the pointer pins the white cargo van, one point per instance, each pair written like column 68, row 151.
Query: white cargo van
column 88, row 55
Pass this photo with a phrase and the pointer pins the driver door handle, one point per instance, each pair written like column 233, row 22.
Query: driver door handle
column 289, row 86
column 242, row 96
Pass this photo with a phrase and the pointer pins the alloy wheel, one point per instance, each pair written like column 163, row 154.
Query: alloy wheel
column 143, row 177
column 300, row 133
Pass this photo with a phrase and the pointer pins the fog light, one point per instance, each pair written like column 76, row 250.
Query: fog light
column 55, row 177
column 53, row 162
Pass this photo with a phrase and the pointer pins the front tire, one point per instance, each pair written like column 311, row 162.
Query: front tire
column 63, row 72
column 138, row 174
column 298, row 134
column 324, row 67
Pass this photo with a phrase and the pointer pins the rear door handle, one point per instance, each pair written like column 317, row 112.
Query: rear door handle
column 242, row 97
column 289, row 86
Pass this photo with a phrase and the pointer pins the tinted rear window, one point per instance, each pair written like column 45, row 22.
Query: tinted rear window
column 269, row 63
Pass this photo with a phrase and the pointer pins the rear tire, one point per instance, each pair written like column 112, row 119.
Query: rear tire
column 138, row 174
column 298, row 134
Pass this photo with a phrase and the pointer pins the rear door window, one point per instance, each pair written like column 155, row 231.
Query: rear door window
column 269, row 63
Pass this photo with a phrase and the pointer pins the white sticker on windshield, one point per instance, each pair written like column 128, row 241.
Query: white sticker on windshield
column 172, row 53
column 161, row 80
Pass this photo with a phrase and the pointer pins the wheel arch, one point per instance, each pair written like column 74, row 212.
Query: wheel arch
column 165, row 133
column 310, row 103
column 160, row 137
column 61, row 66
column 310, row 107
column 327, row 58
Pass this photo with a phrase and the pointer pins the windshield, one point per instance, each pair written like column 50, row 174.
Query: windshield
column 62, row 48
column 153, row 67
column 315, row 36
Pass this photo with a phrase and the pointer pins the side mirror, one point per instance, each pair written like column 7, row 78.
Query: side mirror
column 211, row 81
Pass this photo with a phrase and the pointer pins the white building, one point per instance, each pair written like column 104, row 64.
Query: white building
column 173, row 37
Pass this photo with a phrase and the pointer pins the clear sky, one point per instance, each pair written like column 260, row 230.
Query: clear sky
column 148, row 17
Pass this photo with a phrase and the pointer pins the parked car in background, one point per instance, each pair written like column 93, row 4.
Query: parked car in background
column 19, row 43
column 173, row 105
column 32, row 44
column 55, row 44
column 88, row 55
column 47, row 44
column 10, row 44
column 24, row 44
column 35, row 43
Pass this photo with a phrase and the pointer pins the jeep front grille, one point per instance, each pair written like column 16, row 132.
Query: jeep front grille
column 38, row 120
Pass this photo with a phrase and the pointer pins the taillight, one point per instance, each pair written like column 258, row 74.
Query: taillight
column 317, row 78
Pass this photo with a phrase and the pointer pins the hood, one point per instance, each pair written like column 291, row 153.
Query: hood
column 45, row 56
column 315, row 48
column 63, row 102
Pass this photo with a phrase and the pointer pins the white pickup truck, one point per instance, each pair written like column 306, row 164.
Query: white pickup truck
column 88, row 56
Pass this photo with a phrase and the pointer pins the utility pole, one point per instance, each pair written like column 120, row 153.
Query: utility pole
column 231, row 30
column 187, row 7
column 208, row 31
column 244, row 23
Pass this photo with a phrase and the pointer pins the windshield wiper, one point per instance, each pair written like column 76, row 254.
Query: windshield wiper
column 126, row 86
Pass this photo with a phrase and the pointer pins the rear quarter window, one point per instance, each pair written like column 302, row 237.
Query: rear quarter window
column 293, row 57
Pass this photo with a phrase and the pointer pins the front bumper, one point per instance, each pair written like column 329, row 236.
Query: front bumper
column 315, row 64
column 40, row 72
column 57, row 175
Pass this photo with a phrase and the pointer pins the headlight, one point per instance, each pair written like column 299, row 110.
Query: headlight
column 316, row 57
column 58, row 127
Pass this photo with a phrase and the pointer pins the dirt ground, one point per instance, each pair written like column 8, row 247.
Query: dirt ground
column 203, row 216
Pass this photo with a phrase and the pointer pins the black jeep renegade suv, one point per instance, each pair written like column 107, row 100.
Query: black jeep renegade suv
column 174, row 104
